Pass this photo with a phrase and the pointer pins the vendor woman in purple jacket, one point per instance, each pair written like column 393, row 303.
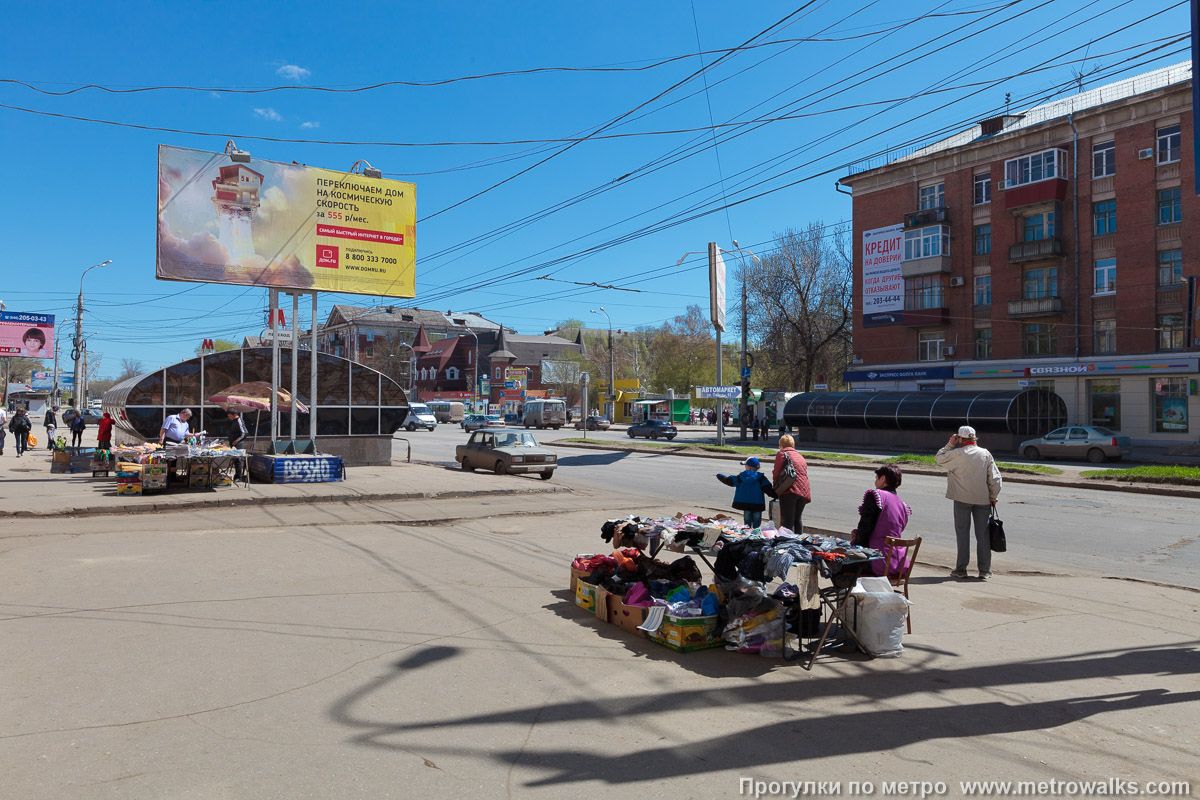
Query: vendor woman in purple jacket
column 883, row 514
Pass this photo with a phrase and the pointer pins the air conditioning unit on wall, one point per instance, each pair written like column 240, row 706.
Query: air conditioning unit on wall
column 958, row 281
column 1146, row 153
column 948, row 351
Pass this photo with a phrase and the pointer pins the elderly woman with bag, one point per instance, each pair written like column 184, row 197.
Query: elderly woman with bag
column 790, row 480
column 883, row 514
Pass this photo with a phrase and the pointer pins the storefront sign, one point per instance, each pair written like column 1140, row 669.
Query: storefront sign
column 905, row 374
column 264, row 223
column 882, row 281
column 1090, row 369
column 23, row 334
column 722, row 392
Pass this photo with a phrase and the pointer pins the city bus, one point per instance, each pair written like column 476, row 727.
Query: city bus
column 545, row 414
column 447, row 410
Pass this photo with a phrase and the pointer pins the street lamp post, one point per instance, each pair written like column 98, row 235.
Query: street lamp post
column 612, row 385
column 77, row 340
column 475, row 382
column 745, row 339
column 411, row 364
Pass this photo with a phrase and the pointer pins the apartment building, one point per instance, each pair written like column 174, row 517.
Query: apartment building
column 1058, row 247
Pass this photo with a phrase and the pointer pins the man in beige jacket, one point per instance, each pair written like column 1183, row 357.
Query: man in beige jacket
column 973, row 483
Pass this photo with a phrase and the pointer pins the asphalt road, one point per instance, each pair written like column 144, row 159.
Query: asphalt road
column 1050, row 529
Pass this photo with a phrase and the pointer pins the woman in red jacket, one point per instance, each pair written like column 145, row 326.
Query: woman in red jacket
column 104, row 432
column 794, row 497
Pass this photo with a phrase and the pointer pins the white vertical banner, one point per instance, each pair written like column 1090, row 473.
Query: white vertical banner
column 716, row 283
column 883, row 282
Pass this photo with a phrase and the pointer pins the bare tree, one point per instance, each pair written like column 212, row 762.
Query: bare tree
column 130, row 367
column 799, row 306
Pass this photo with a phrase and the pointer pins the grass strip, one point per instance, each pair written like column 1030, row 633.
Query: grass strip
column 1005, row 466
column 1179, row 476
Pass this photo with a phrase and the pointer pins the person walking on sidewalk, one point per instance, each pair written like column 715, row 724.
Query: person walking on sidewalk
column 78, row 425
column 750, row 490
column 790, row 481
column 51, row 422
column 3, row 428
column 973, row 483
column 21, row 426
column 104, row 432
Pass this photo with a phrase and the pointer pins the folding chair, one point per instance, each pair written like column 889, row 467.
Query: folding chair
column 898, row 576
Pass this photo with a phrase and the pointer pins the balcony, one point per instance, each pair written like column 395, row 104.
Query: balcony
column 926, row 216
column 1037, row 250
column 1030, row 307
column 1170, row 297
column 1028, row 194
column 921, row 317
column 925, row 266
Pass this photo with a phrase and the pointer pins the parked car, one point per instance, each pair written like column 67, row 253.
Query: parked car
column 496, row 421
column 653, row 429
column 473, row 422
column 505, row 452
column 593, row 423
column 1079, row 441
column 419, row 416
column 90, row 416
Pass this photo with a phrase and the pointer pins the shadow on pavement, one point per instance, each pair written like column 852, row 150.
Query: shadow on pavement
column 594, row 459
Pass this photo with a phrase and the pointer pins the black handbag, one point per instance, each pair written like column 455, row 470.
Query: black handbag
column 996, row 533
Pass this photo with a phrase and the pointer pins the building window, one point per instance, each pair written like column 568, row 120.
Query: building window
column 1170, row 331
column 370, row 351
column 1106, row 276
column 932, row 196
column 1104, row 160
column 1040, row 283
column 451, row 373
column 983, row 342
column 1169, row 208
column 1039, row 339
column 983, row 290
column 926, row 242
column 1105, row 336
column 983, row 188
column 983, row 240
column 1104, row 218
column 1036, row 227
column 1170, row 267
column 1036, row 167
column 924, row 291
column 497, row 373
column 1106, row 403
column 930, row 345
column 1169, row 144
column 1169, row 398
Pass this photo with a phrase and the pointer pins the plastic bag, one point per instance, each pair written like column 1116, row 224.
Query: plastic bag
column 881, row 616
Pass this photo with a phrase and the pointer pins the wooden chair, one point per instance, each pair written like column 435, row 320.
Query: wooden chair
column 899, row 577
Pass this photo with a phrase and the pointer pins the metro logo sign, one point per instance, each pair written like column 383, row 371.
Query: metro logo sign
column 207, row 344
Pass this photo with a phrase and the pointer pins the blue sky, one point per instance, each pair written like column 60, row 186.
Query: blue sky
column 78, row 193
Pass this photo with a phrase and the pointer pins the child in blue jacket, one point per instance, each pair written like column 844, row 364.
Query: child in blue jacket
column 750, row 489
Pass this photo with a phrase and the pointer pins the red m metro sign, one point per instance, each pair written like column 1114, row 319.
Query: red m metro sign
column 327, row 256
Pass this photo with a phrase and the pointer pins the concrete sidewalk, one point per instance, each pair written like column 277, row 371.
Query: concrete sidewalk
column 366, row 651
column 28, row 488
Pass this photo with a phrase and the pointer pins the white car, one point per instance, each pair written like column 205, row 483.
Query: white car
column 419, row 416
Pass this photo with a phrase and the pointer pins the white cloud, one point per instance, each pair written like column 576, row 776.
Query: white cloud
column 267, row 113
column 293, row 72
column 310, row 125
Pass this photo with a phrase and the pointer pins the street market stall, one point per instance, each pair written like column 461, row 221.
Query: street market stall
column 766, row 586
column 199, row 463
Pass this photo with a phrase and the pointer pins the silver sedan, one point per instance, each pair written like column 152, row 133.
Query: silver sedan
column 1092, row 442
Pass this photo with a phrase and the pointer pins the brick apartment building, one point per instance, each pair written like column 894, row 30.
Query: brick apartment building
column 1057, row 248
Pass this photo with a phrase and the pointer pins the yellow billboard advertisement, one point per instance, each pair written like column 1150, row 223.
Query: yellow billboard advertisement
column 285, row 226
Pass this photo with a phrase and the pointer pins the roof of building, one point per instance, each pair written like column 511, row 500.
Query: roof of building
column 1055, row 109
column 440, row 353
column 395, row 315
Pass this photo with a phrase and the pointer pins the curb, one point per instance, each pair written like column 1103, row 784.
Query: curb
column 1103, row 486
column 196, row 505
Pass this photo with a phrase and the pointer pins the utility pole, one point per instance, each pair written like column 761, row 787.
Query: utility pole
column 745, row 378
column 612, row 386
column 54, row 387
column 77, row 343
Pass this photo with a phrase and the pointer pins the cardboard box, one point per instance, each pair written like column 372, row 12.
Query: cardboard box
column 685, row 634
column 198, row 481
column 626, row 617
column 576, row 574
column 199, row 469
column 152, row 482
column 129, row 488
column 154, row 469
column 586, row 595
column 60, row 457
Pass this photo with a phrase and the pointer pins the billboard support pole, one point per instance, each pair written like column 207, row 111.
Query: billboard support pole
column 295, row 358
column 312, row 373
column 274, row 311
column 720, row 401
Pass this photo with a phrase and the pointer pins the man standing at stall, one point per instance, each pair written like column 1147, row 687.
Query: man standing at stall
column 51, row 422
column 175, row 428
column 237, row 437
column 973, row 483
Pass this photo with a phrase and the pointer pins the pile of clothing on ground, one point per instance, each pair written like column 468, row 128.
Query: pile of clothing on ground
column 768, row 555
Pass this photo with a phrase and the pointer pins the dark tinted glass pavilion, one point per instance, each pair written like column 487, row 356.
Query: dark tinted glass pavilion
column 352, row 399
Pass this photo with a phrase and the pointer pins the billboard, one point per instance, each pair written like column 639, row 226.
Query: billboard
column 284, row 226
column 883, row 284
column 44, row 381
column 716, row 286
column 23, row 334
